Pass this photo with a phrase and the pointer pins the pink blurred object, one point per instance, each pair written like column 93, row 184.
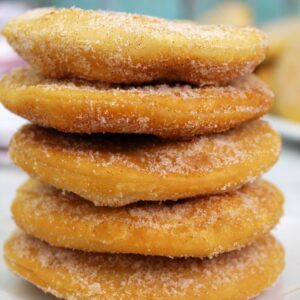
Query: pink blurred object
column 8, row 58
column 9, row 123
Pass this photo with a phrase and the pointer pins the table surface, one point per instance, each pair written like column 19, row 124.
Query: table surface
column 285, row 174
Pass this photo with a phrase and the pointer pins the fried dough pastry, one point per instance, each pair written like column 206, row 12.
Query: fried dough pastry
column 164, row 110
column 114, row 170
column 77, row 275
column 125, row 48
column 195, row 227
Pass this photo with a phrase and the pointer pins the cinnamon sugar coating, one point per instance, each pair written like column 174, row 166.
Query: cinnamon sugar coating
column 125, row 48
column 114, row 170
column 170, row 111
column 76, row 275
column 198, row 227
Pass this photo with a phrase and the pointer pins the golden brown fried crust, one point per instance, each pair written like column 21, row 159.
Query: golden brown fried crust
column 124, row 48
column 78, row 275
column 114, row 170
column 164, row 110
column 195, row 227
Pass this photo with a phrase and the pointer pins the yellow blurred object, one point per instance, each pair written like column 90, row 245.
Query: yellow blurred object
column 266, row 73
column 229, row 13
column 281, row 33
column 281, row 71
column 287, row 82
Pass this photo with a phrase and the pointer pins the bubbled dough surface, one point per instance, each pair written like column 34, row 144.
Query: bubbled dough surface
column 161, row 109
column 114, row 170
column 124, row 48
column 75, row 275
column 195, row 227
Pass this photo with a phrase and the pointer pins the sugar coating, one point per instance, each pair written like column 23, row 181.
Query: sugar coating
column 239, row 88
column 78, row 275
column 153, row 155
column 167, row 110
column 128, row 48
column 199, row 227
column 199, row 212
column 115, row 170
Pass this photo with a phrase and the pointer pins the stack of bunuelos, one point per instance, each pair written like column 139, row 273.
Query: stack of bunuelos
column 135, row 108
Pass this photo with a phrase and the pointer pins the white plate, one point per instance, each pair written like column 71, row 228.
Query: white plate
column 14, row 288
column 288, row 129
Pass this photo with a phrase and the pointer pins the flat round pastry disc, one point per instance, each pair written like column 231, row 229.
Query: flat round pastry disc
column 202, row 226
column 133, row 49
column 71, row 274
column 114, row 170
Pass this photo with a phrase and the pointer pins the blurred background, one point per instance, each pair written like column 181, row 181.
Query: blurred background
column 280, row 19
